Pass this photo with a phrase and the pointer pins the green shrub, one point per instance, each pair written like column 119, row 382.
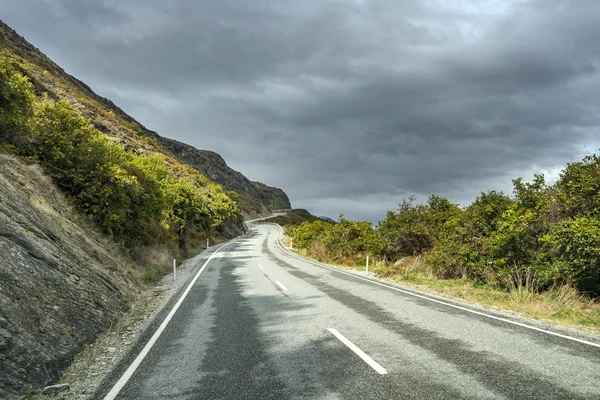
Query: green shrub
column 571, row 254
column 122, row 191
column 16, row 98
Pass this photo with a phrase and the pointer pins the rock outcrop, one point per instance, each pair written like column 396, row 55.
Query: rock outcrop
column 256, row 199
column 59, row 287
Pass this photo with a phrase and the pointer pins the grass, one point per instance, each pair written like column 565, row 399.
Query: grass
column 560, row 306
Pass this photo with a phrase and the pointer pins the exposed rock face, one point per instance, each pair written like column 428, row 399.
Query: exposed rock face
column 59, row 288
column 256, row 198
column 274, row 198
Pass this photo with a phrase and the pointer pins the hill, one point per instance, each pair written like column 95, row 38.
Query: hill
column 93, row 208
column 296, row 217
column 60, row 284
column 255, row 199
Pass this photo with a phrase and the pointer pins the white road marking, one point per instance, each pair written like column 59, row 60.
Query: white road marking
column 260, row 266
column 364, row 356
column 138, row 360
column 508, row 321
column 281, row 285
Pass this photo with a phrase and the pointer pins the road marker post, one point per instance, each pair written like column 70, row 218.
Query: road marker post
column 291, row 244
column 207, row 243
column 174, row 270
column 367, row 269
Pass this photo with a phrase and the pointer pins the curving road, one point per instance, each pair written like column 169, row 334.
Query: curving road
column 261, row 324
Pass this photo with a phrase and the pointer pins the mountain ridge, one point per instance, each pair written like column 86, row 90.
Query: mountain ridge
column 255, row 198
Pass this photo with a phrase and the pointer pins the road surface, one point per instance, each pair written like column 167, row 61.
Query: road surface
column 261, row 324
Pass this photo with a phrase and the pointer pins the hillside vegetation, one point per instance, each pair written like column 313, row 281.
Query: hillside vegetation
column 138, row 199
column 254, row 198
column 543, row 240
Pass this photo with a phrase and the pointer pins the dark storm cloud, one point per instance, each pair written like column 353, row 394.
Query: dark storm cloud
column 348, row 105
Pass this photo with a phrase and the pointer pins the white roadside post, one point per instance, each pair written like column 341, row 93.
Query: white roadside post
column 174, row 270
column 207, row 243
column 367, row 270
column 291, row 244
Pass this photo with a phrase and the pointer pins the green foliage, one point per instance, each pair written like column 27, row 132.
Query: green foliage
column 415, row 228
column 486, row 212
column 571, row 252
column 16, row 98
column 135, row 198
column 542, row 238
column 579, row 188
column 348, row 238
column 233, row 195
column 308, row 232
column 344, row 240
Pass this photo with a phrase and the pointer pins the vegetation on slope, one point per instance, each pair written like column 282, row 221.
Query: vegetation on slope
column 542, row 241
column 137, row 198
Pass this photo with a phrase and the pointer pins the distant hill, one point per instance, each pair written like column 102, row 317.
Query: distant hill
column 255, row 198
column 297, row 217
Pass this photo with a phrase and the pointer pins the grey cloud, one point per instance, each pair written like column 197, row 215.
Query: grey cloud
column 347, row 105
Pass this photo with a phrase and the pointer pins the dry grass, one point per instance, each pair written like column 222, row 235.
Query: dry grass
column 561, row 305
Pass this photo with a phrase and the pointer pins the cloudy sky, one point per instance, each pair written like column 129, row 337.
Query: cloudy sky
column 348, row 105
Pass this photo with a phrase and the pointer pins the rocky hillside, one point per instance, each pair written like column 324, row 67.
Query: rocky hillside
column 59, row 287
column 61, row 284
column 255, row 199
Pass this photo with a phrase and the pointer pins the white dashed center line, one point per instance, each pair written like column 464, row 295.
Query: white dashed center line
column 372, row 363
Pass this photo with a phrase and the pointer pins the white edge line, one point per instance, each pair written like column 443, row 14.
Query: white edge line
column 364, row 356
column 440, row 301
column 114, row 392
column 281, row 285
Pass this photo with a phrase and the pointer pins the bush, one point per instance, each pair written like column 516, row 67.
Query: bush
column 415, row 228
column 344, row 240
column 571, row 254
column 16, row 99
column 579, row 188
column 122, row 191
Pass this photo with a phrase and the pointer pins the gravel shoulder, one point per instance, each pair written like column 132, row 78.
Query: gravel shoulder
column 96, row 361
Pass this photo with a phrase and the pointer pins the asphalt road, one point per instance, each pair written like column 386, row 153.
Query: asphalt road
column 261, row 324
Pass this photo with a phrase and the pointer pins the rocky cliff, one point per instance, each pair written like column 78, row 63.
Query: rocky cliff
column 256, row 199
column 59, row 287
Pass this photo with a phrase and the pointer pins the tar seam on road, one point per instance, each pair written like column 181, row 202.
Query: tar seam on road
column 281, row 285
column 114, row 392
column 364, row 356
column 439, row 301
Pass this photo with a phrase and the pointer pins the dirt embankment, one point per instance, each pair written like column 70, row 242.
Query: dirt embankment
column 59, row 285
